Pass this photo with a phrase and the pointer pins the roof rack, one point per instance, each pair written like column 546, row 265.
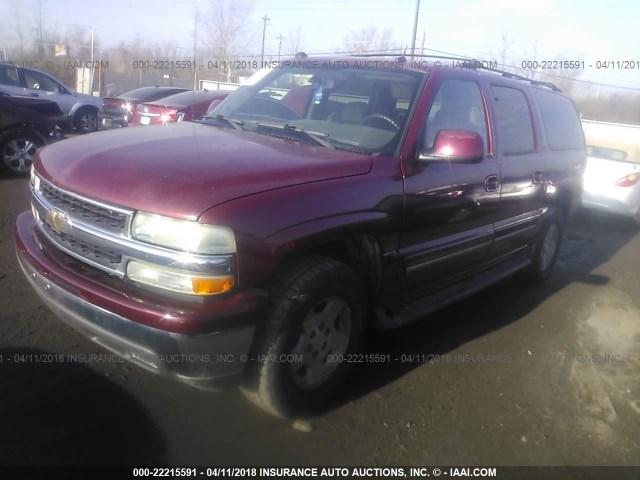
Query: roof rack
column 466, row 62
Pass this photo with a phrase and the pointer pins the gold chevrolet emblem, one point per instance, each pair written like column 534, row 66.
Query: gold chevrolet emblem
column 58, row 221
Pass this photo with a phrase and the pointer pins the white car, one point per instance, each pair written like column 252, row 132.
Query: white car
column 612, row 182
column 612, row 173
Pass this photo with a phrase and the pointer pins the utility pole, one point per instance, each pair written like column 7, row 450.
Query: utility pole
column 279, row 37
column 195, row 57
column 265, row 19
column 415, row 28
column 424, row 34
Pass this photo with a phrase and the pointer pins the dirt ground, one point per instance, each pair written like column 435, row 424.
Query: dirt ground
column 511, row 376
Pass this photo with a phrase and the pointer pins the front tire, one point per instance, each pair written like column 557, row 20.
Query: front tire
column 314, row 321
column 17, row 150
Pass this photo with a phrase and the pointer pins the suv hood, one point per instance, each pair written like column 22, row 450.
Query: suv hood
column 181, row 170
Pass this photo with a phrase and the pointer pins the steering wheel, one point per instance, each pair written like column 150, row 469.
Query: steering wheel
column 379, row 116
column 271, row 107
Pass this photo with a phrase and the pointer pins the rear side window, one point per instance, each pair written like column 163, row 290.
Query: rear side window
column 513, row 120
column 560, row 120
column 9, row 76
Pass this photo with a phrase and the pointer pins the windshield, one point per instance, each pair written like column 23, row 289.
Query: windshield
column 355, row 109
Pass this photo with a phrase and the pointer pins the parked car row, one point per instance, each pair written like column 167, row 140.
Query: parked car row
column 157, row 106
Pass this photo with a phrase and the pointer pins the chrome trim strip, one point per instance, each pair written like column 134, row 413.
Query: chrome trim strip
column 519, row 219
column 97, row 203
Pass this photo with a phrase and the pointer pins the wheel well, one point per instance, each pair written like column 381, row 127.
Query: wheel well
column 28, row 127
column 360, row 252
column 83, row 109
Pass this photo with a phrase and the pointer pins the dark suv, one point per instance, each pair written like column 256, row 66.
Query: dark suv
column 326, row 197
column 26, row 124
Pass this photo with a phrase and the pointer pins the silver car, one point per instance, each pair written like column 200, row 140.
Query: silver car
column 612, row 182
column 80, row 111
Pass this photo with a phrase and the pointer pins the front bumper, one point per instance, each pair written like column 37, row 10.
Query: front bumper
column 211, row 360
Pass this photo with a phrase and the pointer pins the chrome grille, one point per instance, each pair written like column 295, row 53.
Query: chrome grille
column 99, row 254
column 91, row 214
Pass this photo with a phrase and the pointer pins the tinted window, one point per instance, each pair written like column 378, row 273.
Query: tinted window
column 457, row 106
column 38, row 81
column 513, row 120
column 560, row 119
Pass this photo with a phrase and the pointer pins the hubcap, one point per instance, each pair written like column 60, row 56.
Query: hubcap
column 549, row 246
column 326, row 331
column 18, row 153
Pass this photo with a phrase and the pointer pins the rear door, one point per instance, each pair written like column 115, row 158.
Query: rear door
column 524, row 167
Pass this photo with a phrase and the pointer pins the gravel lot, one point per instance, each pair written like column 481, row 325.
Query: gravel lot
column 515, row 376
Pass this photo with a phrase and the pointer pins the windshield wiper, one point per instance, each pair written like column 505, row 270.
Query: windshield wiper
column 237, row 124
column 318, row 137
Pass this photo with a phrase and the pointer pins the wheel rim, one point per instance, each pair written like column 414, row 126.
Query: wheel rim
column 17, row 154
column 88, row 122
column 549, row 246
column 326, row 331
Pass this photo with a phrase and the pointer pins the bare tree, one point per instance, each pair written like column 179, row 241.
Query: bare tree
column 225, row 30
column 296, row 40
column 503, row 54
column 368, row 40
column 20, row 31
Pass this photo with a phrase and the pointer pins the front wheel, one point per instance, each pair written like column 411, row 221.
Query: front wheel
column 546, row 248
column 314, row 322
column 17, row 150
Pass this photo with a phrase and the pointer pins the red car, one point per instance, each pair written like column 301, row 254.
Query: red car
column 186, row 106
column 120, row 111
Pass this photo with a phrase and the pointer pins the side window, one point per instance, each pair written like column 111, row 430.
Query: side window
column 513, row 119
column 38, row 81
column 560, row 120
column 458, row 106
column 9, row 76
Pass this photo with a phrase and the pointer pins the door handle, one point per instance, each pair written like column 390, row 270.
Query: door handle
column 33, row 94
column 492, row 183
column 537, row 177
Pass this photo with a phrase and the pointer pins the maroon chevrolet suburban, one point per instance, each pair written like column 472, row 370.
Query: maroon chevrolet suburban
column 325, row 197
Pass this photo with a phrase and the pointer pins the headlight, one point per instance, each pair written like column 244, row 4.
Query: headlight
column 183, row 235
column 178, row 280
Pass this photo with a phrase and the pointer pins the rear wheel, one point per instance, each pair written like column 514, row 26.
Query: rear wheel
column 17, row 150
column 314, row 321
column 86, row 120
column 546, row 248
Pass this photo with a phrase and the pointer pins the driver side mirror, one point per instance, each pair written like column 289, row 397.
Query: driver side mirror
column 454, row 146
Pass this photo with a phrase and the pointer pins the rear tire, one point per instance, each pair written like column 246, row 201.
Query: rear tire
column 314, row 320
column 546, row 249
column 86, row 120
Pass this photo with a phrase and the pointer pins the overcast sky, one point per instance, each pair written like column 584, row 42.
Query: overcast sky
column 568, row 29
